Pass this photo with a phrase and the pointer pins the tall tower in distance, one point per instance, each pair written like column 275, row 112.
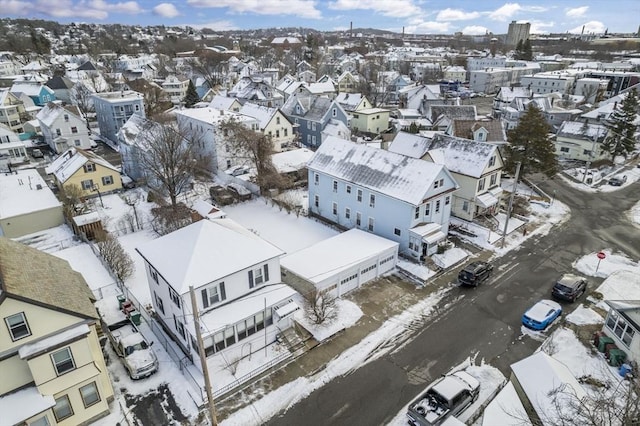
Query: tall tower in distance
column 517, row 32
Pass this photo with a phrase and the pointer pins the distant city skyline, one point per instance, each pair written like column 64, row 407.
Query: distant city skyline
column 415, row 16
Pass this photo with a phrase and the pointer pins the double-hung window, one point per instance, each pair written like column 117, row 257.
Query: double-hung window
column 258, row 276
column 62, row 409
column 17, row 325
column 213, row 295
column 63, row 361
column 89, row 394
column 372, row 200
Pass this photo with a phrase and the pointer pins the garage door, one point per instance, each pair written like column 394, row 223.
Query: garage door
column 368, row 273
column 348, row 283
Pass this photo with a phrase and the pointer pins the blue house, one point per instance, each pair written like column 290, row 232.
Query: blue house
column 403, row 199
column 113, row 109
column 34, row 87
column 312, row 114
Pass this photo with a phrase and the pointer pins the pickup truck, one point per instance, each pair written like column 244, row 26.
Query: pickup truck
column 448, row 396
column 137, row 355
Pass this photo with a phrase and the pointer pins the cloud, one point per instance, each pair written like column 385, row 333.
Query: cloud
column 52, row 8
column 166, row 10
column 129, row 7
column 222, row 25
column 474, row 30
column 429, row 27
column 456, row 15
column 540, row 27
column 505, row 12
column 576, row 12
column 392, row 8
column 300, row 8
column 591, row 27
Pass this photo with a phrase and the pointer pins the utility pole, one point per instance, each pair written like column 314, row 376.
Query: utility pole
column 203, row 360
column 513, row 193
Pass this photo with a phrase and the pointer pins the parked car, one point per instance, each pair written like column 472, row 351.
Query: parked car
column 540, row 315
column 475, row 273
column 37, row 153
column 239, row 192
column 237, row 170
column 617, row 181
column 569, row 288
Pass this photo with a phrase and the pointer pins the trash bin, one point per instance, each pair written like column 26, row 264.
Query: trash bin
column 121, row 299
column 617, row 357
column 134, row 316
column 624, row 370
column 602, row 343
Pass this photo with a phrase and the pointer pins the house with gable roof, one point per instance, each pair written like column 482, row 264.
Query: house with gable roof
column 63, row 127
column 53, row 370
column 12, row 111
column 86, row 170
column 271, row 123
column 34, row 86
column 352, row 102
column 490, row 131
column 397, row 197
column 242, row 303
column 311, row 114
column 348, row 83
column 257, row 90
column 581, row 141
column 225, row 103
column 441, row 116
column 476, row 167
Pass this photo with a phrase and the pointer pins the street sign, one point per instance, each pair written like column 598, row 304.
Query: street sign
column 601, row 255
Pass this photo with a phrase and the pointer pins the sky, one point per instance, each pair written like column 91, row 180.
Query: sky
column 415, row 16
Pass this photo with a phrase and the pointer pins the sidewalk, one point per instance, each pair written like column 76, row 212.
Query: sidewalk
column 378, row 300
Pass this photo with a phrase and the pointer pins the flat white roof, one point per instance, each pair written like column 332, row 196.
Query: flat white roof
column 19, row 406
column 19, row 194
column 336, row 254
column 291, row 161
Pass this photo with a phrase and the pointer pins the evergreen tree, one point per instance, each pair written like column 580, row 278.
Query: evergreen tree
column 527, row 51
column 519, row 50
column 530, row 144
column 620, row 139
column 191, row 98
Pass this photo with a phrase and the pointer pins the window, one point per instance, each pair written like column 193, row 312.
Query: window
column 258, row 276
column 277, row 133
column 77, row 142
column 316, row 178
column 74, row 130
column 397, row 232
column 564, row 149
column 441, row 182
column 347, row 213
column 447, row 200
column 89, row 167
column 492, row 161
column 335, row 186
column 285, row 132
column 370, row 227
column 180, row 329
column 438, row 206
column 41, row 421
column 493, row 180
column 17, row 325
column 465, row 206
column 480, row 184
column 372, row 200
column 175, row 297
column 308, row 125
column 159, row 302
column 335, row 209
column 359, row 195
column 89, row 394
column 358, row 219
column 107, row 180
column 63, row 361
column 427, row 209
column 62, row 409
column 313, row 126
column 277, row 120
column 348, row 189
column 213, row 295
column 335, row 112
column 154, row 275
column 586, row 152
column 435, row 184
column 416, row 215
column 137, row 107
column 316, row 200
column 58, row 132
column 87, row 184
column 66, row 118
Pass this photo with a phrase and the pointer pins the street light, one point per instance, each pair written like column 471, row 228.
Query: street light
column 95, row 188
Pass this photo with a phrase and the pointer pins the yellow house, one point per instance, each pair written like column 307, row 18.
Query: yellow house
column 88, row 171
column 371, row 120
column 348, row 83
column 11, row 111
column 53, row 371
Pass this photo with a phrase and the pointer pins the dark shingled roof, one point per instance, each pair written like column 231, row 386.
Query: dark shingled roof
column 87, row 66
column 59, row 83
column 465, row 129
column 453, row 112
column 28, row 273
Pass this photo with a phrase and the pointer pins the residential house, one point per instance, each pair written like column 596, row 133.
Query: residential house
column 113, row 109
column 258, row 91
column 289, row 85
column 622, row 325
column 225, row 103
column 371, row 120
column 511, row 114
column 475, row 166
column 395, row 86
column 580, row 141
column 441, row 116
column 272, row 123
column 11, row 111
column 61, row 87
column 486, row 130
column 176, row 88
column 27, row 205
column 506, row 95
column 12, row 151
column 34, row 86
column 133, row 141
column 312, row 114
column 323, row 88
column 351, row 102
column 86, row 170
column 307, row 76
column 454, row 73
column 53, row 371
column 403, row 199
column 421, row 97
column 235, row 275
column 63, row 127
column 490, row 80
column 348, row 83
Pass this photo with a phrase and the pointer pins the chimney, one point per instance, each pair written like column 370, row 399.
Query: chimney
column 351, row 29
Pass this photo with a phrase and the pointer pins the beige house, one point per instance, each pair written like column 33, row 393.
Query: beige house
column 88, row 171
column 53, row 371
column 371, row 120
column 11, row 111
column 348, row 83
column 273, row 123
column 175, row 88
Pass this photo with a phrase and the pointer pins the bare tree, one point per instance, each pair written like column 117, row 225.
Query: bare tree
column 211, row 66
column 81, row 97
column 156, row 101
column 320, row 306
column 132, row 199
column 72, row 200
column 116, row 257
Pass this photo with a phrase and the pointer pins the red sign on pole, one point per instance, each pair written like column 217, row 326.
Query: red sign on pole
column 601, row 255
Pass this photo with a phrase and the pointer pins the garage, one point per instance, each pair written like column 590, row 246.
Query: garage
column 340, row 264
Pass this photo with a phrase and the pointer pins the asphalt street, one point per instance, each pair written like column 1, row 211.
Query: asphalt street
column 482, row 322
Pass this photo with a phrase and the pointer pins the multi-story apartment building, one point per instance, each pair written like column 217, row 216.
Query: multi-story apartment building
column 517, row 32
column 475, row 64
column 113, row 109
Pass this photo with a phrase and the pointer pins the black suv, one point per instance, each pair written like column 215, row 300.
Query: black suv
column 569, row 287
column 475, row 273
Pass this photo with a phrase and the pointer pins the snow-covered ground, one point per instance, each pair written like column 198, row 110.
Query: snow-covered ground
column 600, row 178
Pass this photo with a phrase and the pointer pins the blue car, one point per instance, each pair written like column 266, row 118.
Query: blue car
column 540, row 315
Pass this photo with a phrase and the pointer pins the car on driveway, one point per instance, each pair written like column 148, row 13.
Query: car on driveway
column 569, row 288
column 237, row 170
column 540, row 315
column 617, row 181
column 475, row 273
column 37, row 153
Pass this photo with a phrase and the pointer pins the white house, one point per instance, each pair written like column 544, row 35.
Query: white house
column 580, row 141
column 237, row 282
column 272, row 123
column 12, row 150
column 63, row 127
column 388, row 194
column 175, row 88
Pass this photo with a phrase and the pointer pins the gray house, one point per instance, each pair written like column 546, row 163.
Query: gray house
column 311, row 114
column 113, row 109
column 403, row 199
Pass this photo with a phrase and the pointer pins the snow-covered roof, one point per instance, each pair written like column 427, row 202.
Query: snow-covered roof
column 320, row 88
column 349, row 101
column 213, row 116
column 505, row 409
column 18, row 406
column 72, row 160
column 85, row 219
column 336, row 254
column 19, row 194
column 261, row 113
column 243, row 307
column 462, row 156
column 581, row 130
column 222, row 102
column 35, row 348
column 51, row 112
column 388, row 173
column 540, row 375
column 207, row 210
column 409, row 144
column 206, row 251
column 291, row 161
